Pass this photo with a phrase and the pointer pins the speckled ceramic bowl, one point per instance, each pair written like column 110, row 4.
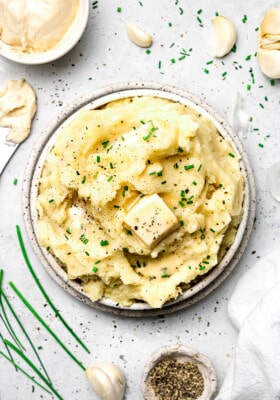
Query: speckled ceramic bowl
column 182, row 354
column 97, row 99
column 69, row 40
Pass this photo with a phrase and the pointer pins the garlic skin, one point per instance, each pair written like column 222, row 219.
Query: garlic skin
column 137, row 35
column 273, row 180
column 269, row 44
column 107, row 380
column 224, row 35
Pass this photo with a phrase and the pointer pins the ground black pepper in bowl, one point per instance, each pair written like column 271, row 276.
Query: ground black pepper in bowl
column 175, row 380
column 178, row 372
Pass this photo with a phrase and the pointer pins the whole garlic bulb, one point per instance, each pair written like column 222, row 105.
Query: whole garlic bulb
column 269, row 44
column 107, row 380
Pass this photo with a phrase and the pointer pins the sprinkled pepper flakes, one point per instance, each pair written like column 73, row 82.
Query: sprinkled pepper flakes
column 175, row 380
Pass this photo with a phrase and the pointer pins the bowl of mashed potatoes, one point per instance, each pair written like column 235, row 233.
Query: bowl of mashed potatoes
column 40, row 31
column 139, row 199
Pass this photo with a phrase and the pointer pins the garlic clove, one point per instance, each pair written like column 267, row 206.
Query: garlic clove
column 269, row 62
column 107, row 380
column 224, row 35
column 273, row 180
column 271, row 42
column 270, row 24
column 137, row 35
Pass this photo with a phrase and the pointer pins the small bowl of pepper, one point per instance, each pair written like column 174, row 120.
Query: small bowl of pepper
column 178, row 373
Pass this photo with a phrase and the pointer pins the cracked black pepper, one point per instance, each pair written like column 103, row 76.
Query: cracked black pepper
column 175, row 380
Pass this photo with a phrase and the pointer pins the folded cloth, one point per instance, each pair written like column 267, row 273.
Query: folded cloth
column 254, row 309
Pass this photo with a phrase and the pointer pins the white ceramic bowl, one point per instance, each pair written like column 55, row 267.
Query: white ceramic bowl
column 69, row 40
column 97, row 99
column 182, row 354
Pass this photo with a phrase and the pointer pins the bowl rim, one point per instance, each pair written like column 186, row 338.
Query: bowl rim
column 69, row 40
column 103, row 96
column 180, row 351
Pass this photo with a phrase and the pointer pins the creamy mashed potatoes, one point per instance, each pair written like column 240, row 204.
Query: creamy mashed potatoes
column 113, row 166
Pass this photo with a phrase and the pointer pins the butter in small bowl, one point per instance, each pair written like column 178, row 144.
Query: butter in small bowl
column 42, row 31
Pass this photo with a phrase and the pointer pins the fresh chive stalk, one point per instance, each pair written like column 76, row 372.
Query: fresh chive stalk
column 18, row 368
column 45, row 325
column 50, row 303
column 25, row 332
column 35, row 369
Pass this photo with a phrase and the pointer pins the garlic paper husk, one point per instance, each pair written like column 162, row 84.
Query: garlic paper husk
column 224, row 35
column 269, row 44
column 137, row 35
column 273, row 180
column 107, row 380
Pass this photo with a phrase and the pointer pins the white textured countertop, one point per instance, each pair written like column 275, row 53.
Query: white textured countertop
column 103, row 56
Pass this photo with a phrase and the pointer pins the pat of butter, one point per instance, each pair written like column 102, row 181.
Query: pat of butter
column 151, row 220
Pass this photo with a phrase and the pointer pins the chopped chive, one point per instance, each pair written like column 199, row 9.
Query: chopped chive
column 181, row 10
column 15, row 181
column 163, row 182
column 206, row 71
column 261, row 145
column 199, row 11
column 84, row 179
column 148, row 51
column 104, row 243
column 187, row 167
column 172, row 60
column 110, row 178
column 98, row 159
column 261, row 105
column 231, row 155
column 94, row 269
column 105, row 143
column 159, row 64
column 212, row 230
column 119, row 9
column 233, row 50
column 194, row 183
column 51, row 200
column 116, row 206
column 272, row 82
column 248, row 87
column 111, row 165
column 128, row 232
column 69, row 230
column 83, row 239
column 169, row 24
column 181, row 222
column 209, row 62
column 176, row 165
column 95, row 175
column 199, row 168
column 244, row 19
column 125, row 250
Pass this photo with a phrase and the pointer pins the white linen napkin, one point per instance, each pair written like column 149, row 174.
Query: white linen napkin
column 254, row 309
